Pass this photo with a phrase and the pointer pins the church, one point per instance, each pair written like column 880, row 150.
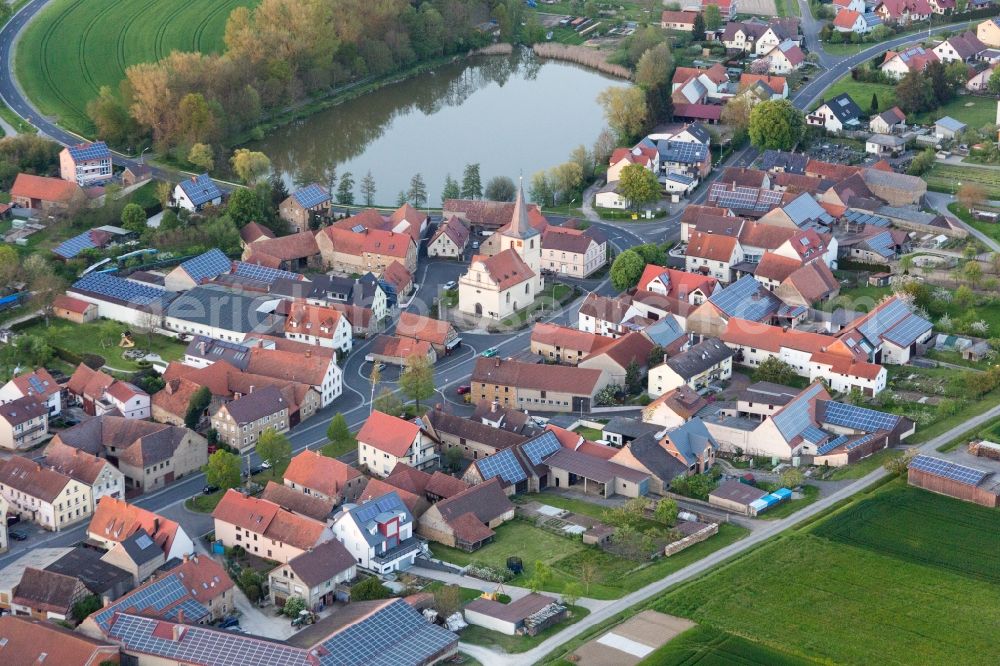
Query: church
column 499, row 286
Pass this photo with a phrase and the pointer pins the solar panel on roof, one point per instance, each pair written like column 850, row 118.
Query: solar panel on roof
column 908, row 331
column 103, row 284
column 93, row 151
column 831, row 445
column 388, row 503
column 155, row 597
column 883, row 319
column 206, row 266
column 311, row 196
column 747, row 299
column 358, row 228
column 858, row 418
column 813, row 434
column 946, row 469
column 263, row 273
column 541, row 447
column 861, row 441
column 503, row 464
column 75, row 245
column 795, row 418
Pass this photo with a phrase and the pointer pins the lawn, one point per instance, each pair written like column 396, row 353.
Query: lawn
column 73, row 47
column 333, row 450
column 948, row 177
column 900, row 576
column 102, row 337
column 204, row 503
column 706, row 646
column 593, row 434
column 861, row 299
column 514, row 644
column 861, row 93
column 973, row 111
column 565, row 556
column 991, row 229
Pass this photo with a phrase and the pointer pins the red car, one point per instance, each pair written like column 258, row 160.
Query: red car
column 462, row 390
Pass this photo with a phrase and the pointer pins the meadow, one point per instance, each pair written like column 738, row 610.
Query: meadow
column 900, row 576
column 74, row 47
column 705, row 646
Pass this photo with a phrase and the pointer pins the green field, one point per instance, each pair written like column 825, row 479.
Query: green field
column 901, row 576
column 946, row 178
column 975, row 112
column 102, row 337
column 706, row 646
column 74, row 47
column 861, row 93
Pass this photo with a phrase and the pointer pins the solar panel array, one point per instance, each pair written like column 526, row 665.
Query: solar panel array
column 396, row 635
column 813, row 435
column 388, row 503
column 311, row 195
column 946, row 469
column 206, row 266
column 794, row 418
column 153, row 599
column 199, row 645
column 747, row 299
column 541, row 447
column 201, row 189
column 191, row 609
column 881, row 244
column 831, row 445
column 118, row 288
column 883, row 319
column 861, row 217
column 93, row 151
column 503, row 464
column 908, row 331
column 75, row 245
column 685, row 153
column 861, row 441
column 263, row 273
column 858, row 418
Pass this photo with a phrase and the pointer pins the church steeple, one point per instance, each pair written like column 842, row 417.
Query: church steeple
column 519, row 226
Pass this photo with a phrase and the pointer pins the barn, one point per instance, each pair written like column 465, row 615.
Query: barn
column 969, row 484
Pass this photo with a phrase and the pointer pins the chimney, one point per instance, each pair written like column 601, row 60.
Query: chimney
column 156, row 525
column 194, row 557
column 179, row 628
column 251, row 388
column 495, row 406
column 185, row 558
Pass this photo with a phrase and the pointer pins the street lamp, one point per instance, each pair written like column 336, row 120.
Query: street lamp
column 143, row 153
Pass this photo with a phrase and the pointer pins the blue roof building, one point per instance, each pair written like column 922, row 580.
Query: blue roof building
column 196, row 192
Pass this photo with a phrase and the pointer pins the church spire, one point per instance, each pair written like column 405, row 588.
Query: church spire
column 519, row 226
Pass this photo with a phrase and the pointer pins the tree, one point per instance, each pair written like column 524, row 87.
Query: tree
column 633, row 378
column 370, row 589
column 108, row 114
column 994, row 82
column 417, row 381
column 417, row 194
column 776, row 124
column 452, row 458
column 540, row 577
column 223, row 470
column 566, row 179
column 86, row 606
column 873, row 107
column 638, row 185
column 941, row 85
column 713, row 17
column 448, row 600
column 922, row 162
column 201, row 156
column 971, row 195
column 582, row 157
column 626, row 270
column 666, row 511
column 500, row 188
column 451, row 189
column 914, row 93
column 197, row 404
column 604, row 145
column 388, row 402
column 133, row 218
column 10, row 264
column 339, row 433
column 973, row 272
column 472, row 186
column 655, row 67
column 540, row 189
column 345, row 190
column 774, row 370
column 195, row 119
column 589, row 573
column 293, row 606
column 625, row 110
column 274, row 447
column 164, row 192
column 250, row 166
column 699, row 27
column 572, row 590
column 656, row 356
column 736, row 114
column 45, row 288
column 900, row 464
column 963, row 297
column 792, row 478
column 368, row 188
column 245, row 205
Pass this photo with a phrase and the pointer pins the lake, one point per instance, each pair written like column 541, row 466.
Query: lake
column 512, row 114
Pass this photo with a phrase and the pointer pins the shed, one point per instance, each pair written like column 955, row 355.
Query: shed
column 948, row 127
column 734, row 495
column 529, row 614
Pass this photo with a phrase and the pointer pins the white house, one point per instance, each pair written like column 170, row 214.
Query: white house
column 38, row 384
column 318, row 325
column 713, row 255
column 838, row 114
column 196, row 192
column 959, row 48
column 679, row 184
column 888, row 122
column 386, row 440
column 785, row 58
column 897, row 64
column 608, row 197
column 378, row 534
column 853, row 5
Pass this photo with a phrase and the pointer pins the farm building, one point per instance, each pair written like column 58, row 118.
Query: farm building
column 969, row 484
column 528, row 615
column 734, row 495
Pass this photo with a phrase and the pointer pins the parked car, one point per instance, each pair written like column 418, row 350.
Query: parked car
column 18, row 536
column 490, row 353
column 449, row 285
column 266, row 464
column 475, row 245
column 231, row 621
column 462, row 390
column 209, row 489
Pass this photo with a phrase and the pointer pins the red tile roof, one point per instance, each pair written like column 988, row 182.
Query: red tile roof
column 41, row 376
column 711, row 246
column 419, row 327
column 376, row 488
column 679, row 283
column 398, row 276
column 315, row 320
column 252, row 232
column 506, row 268
column 455, row 230
column 559, row 378
column 204, row 578
column 387, row 433
column 76, row 305
column 43, row 188
column 28, row 641
column 116, row 520
column 311, row 469
column 29, row 477
column 285, row 248
column 408, row 478
column 568, row 338
column 698, row 111
column 269, row 520
column 846, row 18
column 678, row 17
column 776, row 267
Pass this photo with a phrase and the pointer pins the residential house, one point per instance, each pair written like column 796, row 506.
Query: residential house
column 685, row 157
column 853, row 5
column 473, row 438
column 332, row 291
column 785, row 58
column 99, row 393
column 303, row 204
column 300, row 363
column 24, row 422
column 488, row 215
column 104, row 479
column 46, row 595
column 313, row 474
column 241, row 423
column 891, row 333
column 73, row 309
column 889, row 121
column 695, row 86
column 318, row 325
column 775, row 86
column 609, row 197
column 42, row 495
column 897, row 64
column 251, row 232
column 690, row 287
column 150, row 455
column 674, row 408
column 980, row 81
column 264, row 528
column 839, row 114
column 679, row 21
column 947, row 127
column 808, row 285
column 562, row 344
column 134, row 174
column 29, row 641
column 778, row 31
column 988, row 32
column 348, row 251
column 712, row 255
column 449, row 240
column 379, row 534
column 291, row 253
column 397, row 281
column 574, row 253
column 942, row 7
column 743, row 35
column 115, row 521
column 645, row 156
column 468, row 519
column 43, row 194
column 396, row 350
column 663, row 456
column 617, row 358
column 861, row 23
column 194, row 193
column 539, row 387
column 885, row 144
column 305, row 505
column 440, row 334
column 86, row 164
column 386, row 440
column 313, row 576
column 903, row 12
column 605, row 315
column 964, row 47
column 706, row 362
column 38, row 384
column 137, row 555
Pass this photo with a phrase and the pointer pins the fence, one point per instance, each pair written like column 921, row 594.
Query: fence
column 688, row 541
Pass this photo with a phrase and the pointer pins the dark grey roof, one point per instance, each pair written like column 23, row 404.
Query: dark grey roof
column 770, row 393
column 220, row 308
column 647, row 450
column 256, row 404
column 360, row 291
column 473, row 431
column 325, row 561
column 212, row 350
column 844, row 108
column 699, row 358
column 787, row 162
column 736, row 491
column 87, row 565
column 630, row 428
column 691, row 439
column 141, row 548
column 698, row 131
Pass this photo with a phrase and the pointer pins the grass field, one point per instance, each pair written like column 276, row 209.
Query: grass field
column 861, row 93
column 74, row 47
column 515, row 644
column 946, row 177
column 101, row 337
column 973, row 111
column 706, row 646
column 900, row 576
